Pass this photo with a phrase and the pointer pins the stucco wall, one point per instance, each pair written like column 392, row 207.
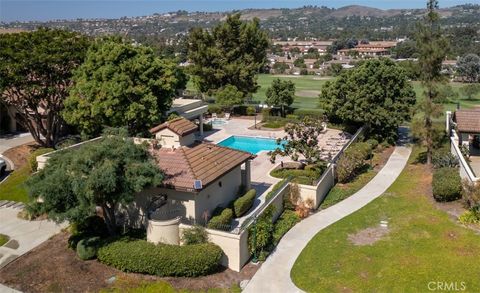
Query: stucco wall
column 186, row 204
column 234, row 247
column 169, row 139
column 318, row 192
column 215, row 195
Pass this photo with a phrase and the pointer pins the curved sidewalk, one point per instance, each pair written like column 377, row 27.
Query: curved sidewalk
column 274, row 275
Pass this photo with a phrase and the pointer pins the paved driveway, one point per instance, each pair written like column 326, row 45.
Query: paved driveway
column 24, row 235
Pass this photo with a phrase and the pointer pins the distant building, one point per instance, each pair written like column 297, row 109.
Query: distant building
column 372, row 49
column 304, row 46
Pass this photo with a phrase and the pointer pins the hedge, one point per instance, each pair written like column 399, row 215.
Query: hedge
column 244, row 203
column 140, row 256
column 446, row 184
column 222, row 220
column 285, row 222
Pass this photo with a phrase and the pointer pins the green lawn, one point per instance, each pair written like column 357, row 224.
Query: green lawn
column 424, row 245
column 13, row 188
column 3, row 239
column 160, row 286
column 307, row 89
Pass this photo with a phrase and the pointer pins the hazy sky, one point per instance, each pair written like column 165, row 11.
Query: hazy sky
column 24, row 10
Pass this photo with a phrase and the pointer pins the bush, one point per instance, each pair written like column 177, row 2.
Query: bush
column 352, row 161
column 212, row 108
column 32, row 160
column 221, row 220
column 195, row 235
column 443, row 158
column 251, row 111
column 264, row 232
column 275, row 188
column 140, row 256
column 471, row 195
column 292, row 117
column 469, row 217
column 244, row 203
column 446, row 184
column 265, row 114
column 87, row 248
column 373, row 143
column 285, row 222
column 207, row 127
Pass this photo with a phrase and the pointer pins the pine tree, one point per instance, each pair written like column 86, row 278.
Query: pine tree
column 433, row 48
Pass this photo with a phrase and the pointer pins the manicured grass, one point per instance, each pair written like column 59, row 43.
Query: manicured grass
column 307, row 87
column 423, row 245
column 3, row 239
column 161, row 286
column 13, row 187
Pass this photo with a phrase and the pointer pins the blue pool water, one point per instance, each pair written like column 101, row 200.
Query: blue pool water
column 252, row 145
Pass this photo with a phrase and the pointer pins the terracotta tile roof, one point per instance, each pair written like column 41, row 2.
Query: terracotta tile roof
column 204, row 161
column 467, row 120
column 180, row 126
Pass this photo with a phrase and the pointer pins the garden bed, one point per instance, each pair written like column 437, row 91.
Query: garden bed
column 34, row 272
column 300, row 176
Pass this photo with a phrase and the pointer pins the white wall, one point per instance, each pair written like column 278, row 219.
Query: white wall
column 170, row 139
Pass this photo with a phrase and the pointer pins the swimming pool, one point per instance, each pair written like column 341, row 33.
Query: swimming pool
column 250, row 144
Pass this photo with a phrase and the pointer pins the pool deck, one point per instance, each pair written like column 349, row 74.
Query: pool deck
column 261, row 165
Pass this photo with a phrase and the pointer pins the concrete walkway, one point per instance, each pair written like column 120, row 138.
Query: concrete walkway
column 274, row 275
column 24, row 235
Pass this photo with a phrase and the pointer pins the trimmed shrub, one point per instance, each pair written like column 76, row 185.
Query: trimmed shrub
column 373, row 143
column 244, row 203
column 140, row 256
column 32, row 160
column 195, row 235
column 251, row 111
column 446, row 184
column 87, row 248
column 285, row 222
column 221, row 220
column 207, row 127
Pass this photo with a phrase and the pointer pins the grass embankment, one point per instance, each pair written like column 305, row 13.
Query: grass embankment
column 423, row 245
column 3, row 239
column 13, row 187
column 341, row 191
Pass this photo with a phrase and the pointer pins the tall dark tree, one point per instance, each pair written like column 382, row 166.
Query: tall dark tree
column 433, row 49
column 121, row 85
column 36, row 75
column 231, row 54
column 103, row 174
column 376, row 94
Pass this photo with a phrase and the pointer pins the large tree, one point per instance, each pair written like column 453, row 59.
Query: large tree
column 376, row 94
column 432, row 48
column 121, row 85
column 231, row 54
column 35, row 78
column 469, row 67
column 280, row 94
column 104, row 173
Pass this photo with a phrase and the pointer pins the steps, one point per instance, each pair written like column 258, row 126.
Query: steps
column 11, row 204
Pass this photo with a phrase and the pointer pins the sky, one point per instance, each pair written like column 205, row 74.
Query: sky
column 42, row 10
